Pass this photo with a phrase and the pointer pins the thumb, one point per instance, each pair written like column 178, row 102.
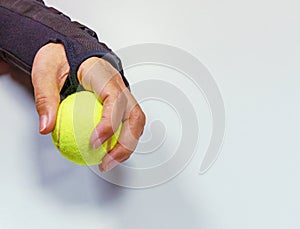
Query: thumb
column 49, row 71
column 46, row 93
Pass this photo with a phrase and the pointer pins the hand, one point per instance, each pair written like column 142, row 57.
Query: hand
column 49, row 72
column 119, row 105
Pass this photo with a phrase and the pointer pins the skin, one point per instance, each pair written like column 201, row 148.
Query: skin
column 49, row 72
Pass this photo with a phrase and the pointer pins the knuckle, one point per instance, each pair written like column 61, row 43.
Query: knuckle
column 113, row 89
column 121, row 99
column 119, row 78
column 116, row 98
column 126, row 156
column 41, row 100
column 138, row 116
column 110, row 90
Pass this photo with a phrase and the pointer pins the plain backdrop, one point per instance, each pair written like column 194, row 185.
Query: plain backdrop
column 252, row 49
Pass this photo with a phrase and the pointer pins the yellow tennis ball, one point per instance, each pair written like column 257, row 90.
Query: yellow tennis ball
column 77, row 116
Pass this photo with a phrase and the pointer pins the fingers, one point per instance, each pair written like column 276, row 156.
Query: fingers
column 49, row 72
column 100, row 77
column 118, row 105
column 131, row 131
column 114, row 106
column 114, row 158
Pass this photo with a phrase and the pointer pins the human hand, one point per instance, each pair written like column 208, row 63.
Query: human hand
column 49, row 72
column 119, row 105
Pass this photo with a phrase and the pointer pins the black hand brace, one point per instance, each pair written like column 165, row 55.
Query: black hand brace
column 28, row 25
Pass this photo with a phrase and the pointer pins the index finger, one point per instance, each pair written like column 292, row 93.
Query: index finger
column 99, row 76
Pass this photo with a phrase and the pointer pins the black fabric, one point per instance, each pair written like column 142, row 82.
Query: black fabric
column 27, row 25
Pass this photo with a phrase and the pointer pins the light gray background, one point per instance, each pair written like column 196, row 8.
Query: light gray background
column 252, row 49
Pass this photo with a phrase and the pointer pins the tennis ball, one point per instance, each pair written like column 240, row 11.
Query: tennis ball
column 77, row 116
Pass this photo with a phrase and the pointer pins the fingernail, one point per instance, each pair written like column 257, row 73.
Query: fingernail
column 110, row 165
column 97, row 143
column 43, row 122
column 101, row 168
column 94, row 136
